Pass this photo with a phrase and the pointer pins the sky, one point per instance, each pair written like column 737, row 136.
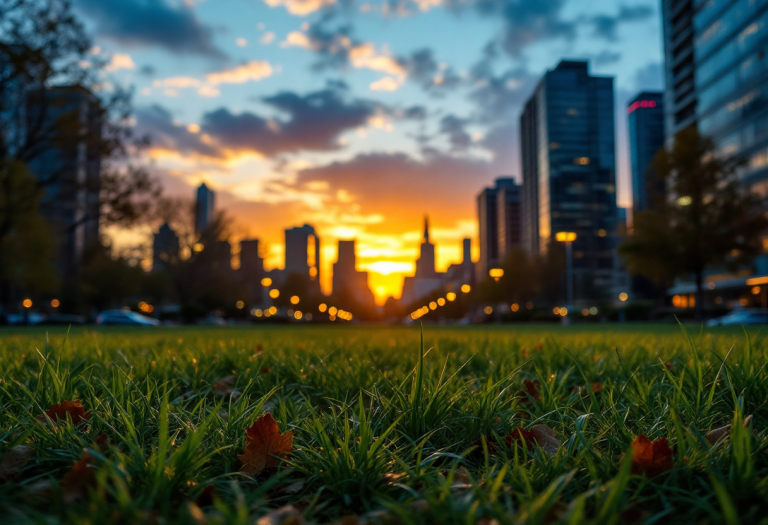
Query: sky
column 359, row 118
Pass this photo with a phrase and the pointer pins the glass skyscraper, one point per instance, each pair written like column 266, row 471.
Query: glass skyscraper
column 645, row 114
column 717, row 76
column 569, row 171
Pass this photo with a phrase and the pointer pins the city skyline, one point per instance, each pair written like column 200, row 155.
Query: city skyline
column 393, row 119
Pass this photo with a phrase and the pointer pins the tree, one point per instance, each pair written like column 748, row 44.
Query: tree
column 44, row 50
column 703, row 218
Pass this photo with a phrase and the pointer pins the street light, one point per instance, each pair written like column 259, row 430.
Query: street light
column 568, row 238
column 496, row 273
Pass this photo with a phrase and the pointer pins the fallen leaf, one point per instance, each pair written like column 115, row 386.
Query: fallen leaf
column 75, row 483
column 540, row 435
column 581, row 389
column 226, row 387
column 651, row 458
column 76, row 411
column 531, row 388
column 264, row 446
column 288, row 515
column 15, row 460
column 716, row 434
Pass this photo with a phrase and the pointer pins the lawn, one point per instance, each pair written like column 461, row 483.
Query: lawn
column 531, row 424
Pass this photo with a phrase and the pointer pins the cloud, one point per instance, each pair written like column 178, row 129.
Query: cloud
column 455, row 128
column 606, row 26
column 314, row 122
column 311, row 122
column 267, row 38
column 141, row 23
column 402, row 189
column 386, row 84
column 422, row 67
column 120, row 61
column 650, row 77
column 300, row 7
column 253, row 71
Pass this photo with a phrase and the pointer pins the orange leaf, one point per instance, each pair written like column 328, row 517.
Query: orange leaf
column 651, row 458
column 82, row 475
column 75, row 410
column 522, row 436
column 264, row 446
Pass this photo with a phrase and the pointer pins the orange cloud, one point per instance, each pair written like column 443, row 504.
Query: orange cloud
column 300, row 7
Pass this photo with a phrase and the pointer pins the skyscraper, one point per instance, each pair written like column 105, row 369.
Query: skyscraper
column 572, row 164
column 498, row 217
column 204, row 208
column 646, row 138
column 347, row 280
column 716, row 61
column 67, row 122
column 302, row 252
column 165, row 248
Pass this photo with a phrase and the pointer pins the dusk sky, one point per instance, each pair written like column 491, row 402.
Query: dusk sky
column 358, row 117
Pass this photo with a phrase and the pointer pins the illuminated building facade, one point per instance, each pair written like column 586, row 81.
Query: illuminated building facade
column 569, row 168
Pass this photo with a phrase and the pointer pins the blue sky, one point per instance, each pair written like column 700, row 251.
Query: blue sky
column 358, row 117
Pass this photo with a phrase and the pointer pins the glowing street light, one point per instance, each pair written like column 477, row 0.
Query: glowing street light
column 295, row 299
column 27, row 303
column 266, row 281
column 441, row 302
column 322, row 308
column 496, row 273
column 198, row 247
column 274, row 293
column 240, row 305
column 568, row 238
column 465, row 288
column 623, row 296
column 55, row 303
column 433, row 305
column 450, row 296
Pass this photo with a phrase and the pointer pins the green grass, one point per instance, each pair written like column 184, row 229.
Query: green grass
column 385, row 432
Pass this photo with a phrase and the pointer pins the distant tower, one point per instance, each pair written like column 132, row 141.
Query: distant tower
column 346, row 277
column 165, row 248
column 302, row 252
column 204, row 208
column 425, row 264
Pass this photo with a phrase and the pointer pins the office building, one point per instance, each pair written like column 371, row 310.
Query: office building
column 645, row 114
column 66, row 122
column 426, row 279
column 347, row 280
column 165, row 248
column 499, row 223
column 204, row 208
column 252, row 271
column 302, row 253
column 573, row 169
column 680, row 94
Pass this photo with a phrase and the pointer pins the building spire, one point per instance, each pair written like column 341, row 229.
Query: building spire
column 426, row 228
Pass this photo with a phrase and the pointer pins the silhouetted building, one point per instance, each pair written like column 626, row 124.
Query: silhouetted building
column 347, row 280
column 204, row 208
column 572, row 165
column 165, row 248
column 426, row 279
column 66, row 122
column 252, row 270
column 463, row 272
column 498, row 217
column 302, row 253
column 221, row 259
column 646, row 138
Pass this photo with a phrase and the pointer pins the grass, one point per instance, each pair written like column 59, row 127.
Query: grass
column 384, row 431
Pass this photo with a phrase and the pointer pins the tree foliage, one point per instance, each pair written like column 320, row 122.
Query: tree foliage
column 704, row 218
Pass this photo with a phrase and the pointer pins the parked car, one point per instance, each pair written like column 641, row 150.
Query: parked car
column 125, row 318
column 213, row 320
column 741, row 316
column 28, row 318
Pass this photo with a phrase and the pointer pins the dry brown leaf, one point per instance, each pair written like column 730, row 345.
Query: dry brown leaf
column 226, row 387
column 82, row 475
column 716, row 434
column 15, row 460
column 288, row 515
column 651, row 458
column 75, row 410
column 264, row 446
column 540, row 435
